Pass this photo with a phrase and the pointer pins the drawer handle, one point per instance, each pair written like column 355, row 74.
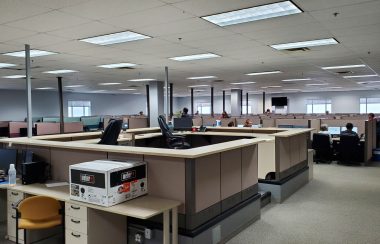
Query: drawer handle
column 14, row 193
column 75, row 221
column 75, row 208
column 75, row 235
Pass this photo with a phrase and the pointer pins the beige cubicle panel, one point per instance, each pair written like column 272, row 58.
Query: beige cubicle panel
column 137, row 122
column 47, row 128
column 226, row 121
column 73, row 127
column 267, row 158
column 294, row 122
column 14, row 128
column 197, row 121
column 370, row 139
column 268, row 123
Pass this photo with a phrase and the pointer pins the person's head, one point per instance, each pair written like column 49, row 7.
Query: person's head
column 349, row 126
column 327, row 112
column 224, row 112
column 185, row 110
column 231, row 124
column 268, row 110
column 371, row 116
column 324, row 127
column 141, row 113
column 248, row 122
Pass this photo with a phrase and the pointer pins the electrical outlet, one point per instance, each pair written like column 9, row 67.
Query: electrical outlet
column 216, row 234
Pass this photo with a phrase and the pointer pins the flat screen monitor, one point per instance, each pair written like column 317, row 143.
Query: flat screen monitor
column 279, row 101
column 285, row 126
column 124, row 126
column 182, row 123
column 240, row 126
column 334, row 130
column 255, row 126
column 7, row 157
column 353, row 129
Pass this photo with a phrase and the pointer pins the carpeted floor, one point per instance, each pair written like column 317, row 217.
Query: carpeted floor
column 341, row 205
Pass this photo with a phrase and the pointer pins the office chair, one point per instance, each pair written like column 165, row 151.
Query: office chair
column 349, row 149
column 111, row 133
column 38, row 212
column 172, row 141
column 323, row 150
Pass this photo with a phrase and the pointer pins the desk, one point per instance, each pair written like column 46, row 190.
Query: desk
column 143, row 207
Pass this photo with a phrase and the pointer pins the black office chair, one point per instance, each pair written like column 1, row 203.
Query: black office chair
column 172, row 141
column 322, row 146
column 349, row 149
column 111, row 133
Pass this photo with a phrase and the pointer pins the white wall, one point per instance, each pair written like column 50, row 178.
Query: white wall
column 342, row 102
column 45, row 103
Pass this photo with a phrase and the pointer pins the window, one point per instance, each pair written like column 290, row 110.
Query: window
column 244, row 108
column 369, row 105
column 318, row 106
column 204, row 108
column 79, row 108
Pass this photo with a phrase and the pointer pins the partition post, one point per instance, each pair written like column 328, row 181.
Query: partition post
column 246, row 103
column 166, row 93
column 224, row 101
column 241, row 102
column 263, row 102
column 28, row 91
column 192, row 101
column 60, row 93
column 147, row 104
column 171, row 100
column 212, row 101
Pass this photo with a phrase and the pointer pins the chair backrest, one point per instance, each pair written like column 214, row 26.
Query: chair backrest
column 321, row 141
column 39, row 208
column 111, row 133
column 165, row 130
column 349, row 147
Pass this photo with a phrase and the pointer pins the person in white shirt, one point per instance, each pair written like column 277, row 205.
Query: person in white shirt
column 325, row 130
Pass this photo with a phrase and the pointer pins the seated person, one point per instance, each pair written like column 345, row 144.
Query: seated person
column 371, row 116
column 267, row 111
column 325, row 130
column 248, row 123
column 225, row 115
column 349, row 130
column 185, row 113
column 141, row 113
column 231, row 124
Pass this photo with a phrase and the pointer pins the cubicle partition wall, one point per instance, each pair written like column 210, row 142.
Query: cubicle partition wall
column 197, row 121
column 370, row 139
column 226, row 121
column 137, row 122
column 292, row 123
column 4, row 128
column 47, row 128
column 268, row 122
column 73, row 127
column 14, row 128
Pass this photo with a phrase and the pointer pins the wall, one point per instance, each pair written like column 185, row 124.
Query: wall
column 45, row 103
column 342, row 102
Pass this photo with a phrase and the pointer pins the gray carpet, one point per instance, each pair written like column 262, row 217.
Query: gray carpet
column 341, row 205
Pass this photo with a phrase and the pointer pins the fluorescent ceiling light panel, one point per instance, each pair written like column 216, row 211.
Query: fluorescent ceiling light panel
column 45, row 88
column 6, row 65
column 312, row 43
column 14, row 76
column 74, row 86
column 136, row 93
column 109, row 84
column 146, row 79
column 33, row 53
column 61, row 71
column 334, row 87
column 202, row 77
column 345, row 66
column 243, row 83
column 195, row 57
column 115, row 66
column 99, row 91
column 290, row 89
column 265, row 73
column 120, row 37
column 302, row 79
column 127, row 89
column 198, row 86
column 274, row 86
column 264, row 87
column 317, row 84
column 253, row 14
column 359, row 76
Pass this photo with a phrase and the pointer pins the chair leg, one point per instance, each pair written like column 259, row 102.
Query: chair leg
column 16, row 227
column 24, row 236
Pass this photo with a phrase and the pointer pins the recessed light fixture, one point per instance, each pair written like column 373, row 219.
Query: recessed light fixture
column 114, row 38
column 312, row 43
column 201, row 77
column 198, row 86
column 6, row 65
column 291, row 89
column 14, row 76
column 359, row 76
column 127, row 89
column 195, row 57
column 264, row 87
column 317, row 84
column 302, row 79
column 109, row 84
column 33, row 53
column 334, row 87
column 99, row 91
column 74, row 86
column 115, row 66
column 274, row 86
column 61, row 71
column 243, row 83
column 265, row 73
column 199, row 90
column 45, row 88
column 254, row 13
column 345, row 66
column 146, row 79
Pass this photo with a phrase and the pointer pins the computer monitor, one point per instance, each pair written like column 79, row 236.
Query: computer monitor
column 240, row 126
column 124, row 126
column 285, row 126
column 255, row 126
column 7, row 157
column 334, row 130
column 183, row 124
column 353, row 129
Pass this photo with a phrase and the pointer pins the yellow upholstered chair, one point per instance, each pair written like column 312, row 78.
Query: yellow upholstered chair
column 38, row 212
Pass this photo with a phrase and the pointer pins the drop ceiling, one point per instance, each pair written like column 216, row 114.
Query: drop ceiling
column 177, row 29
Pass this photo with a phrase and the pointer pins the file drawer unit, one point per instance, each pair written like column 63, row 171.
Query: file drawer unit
column 76, row 223
column 14, row 197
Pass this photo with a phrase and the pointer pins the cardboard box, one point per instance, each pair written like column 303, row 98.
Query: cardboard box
column 107, row 183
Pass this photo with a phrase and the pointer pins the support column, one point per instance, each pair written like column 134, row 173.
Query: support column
column 236, row 102
column 192, row 101
column 171, row 100
column 224, row 101
column 28, row 91
column 212, row 101
column 167, row 93
column 156, row 101
column 60, row 93
column 147, row 104
column 263, row 102
column 246, row 103
column 241, row 102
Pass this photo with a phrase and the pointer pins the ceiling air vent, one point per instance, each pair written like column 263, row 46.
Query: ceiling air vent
column 126, row 68
column 133, row 86
column 344, row 72
column 301, row 49
column 218, row 80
